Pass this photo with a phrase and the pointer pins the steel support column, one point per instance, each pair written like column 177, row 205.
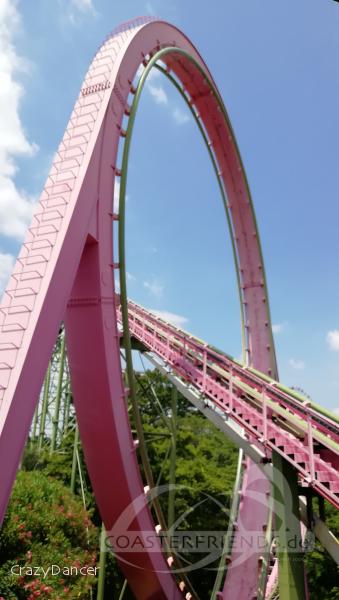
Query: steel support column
column 173, row 458
column 287, row 528
column 58, row 395
column 102, row 564
column 44, row 406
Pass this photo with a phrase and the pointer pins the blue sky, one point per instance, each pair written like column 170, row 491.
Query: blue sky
column 276, row 64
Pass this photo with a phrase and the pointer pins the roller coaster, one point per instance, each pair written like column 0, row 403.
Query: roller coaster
column 65, row 273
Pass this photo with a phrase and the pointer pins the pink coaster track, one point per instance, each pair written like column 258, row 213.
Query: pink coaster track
column 65, row 271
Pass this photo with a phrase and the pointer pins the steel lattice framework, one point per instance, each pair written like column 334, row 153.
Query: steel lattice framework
column 65, row 272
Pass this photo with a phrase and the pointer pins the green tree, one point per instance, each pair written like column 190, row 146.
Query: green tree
column 322, row 571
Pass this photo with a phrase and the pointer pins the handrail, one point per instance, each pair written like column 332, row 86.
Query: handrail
column 273, row 418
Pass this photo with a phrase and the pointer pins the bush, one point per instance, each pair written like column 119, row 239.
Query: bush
column 46, row 525
column 322, row 571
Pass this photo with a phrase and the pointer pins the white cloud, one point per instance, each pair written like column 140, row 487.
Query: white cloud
column 6, row 268
column 156, row 90
column 336, row 410
column 150, row 9
column 16, row 206
column 298, row 365
column 332, row 339
column 158, row 93
column 74, row 11
column 176, row 320
column 84, row 6
column 180, row 116
column 16, row 209
column 129, row 277
column 278, row 327
column 117, row 196
column 153, row 75
column 160, row 96
column 140, row 71
column 154, row 288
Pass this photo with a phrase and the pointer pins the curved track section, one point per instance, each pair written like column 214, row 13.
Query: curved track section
column 253, row 505
column 65, row 267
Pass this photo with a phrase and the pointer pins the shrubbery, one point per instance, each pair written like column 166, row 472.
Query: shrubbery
column 46, row 525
